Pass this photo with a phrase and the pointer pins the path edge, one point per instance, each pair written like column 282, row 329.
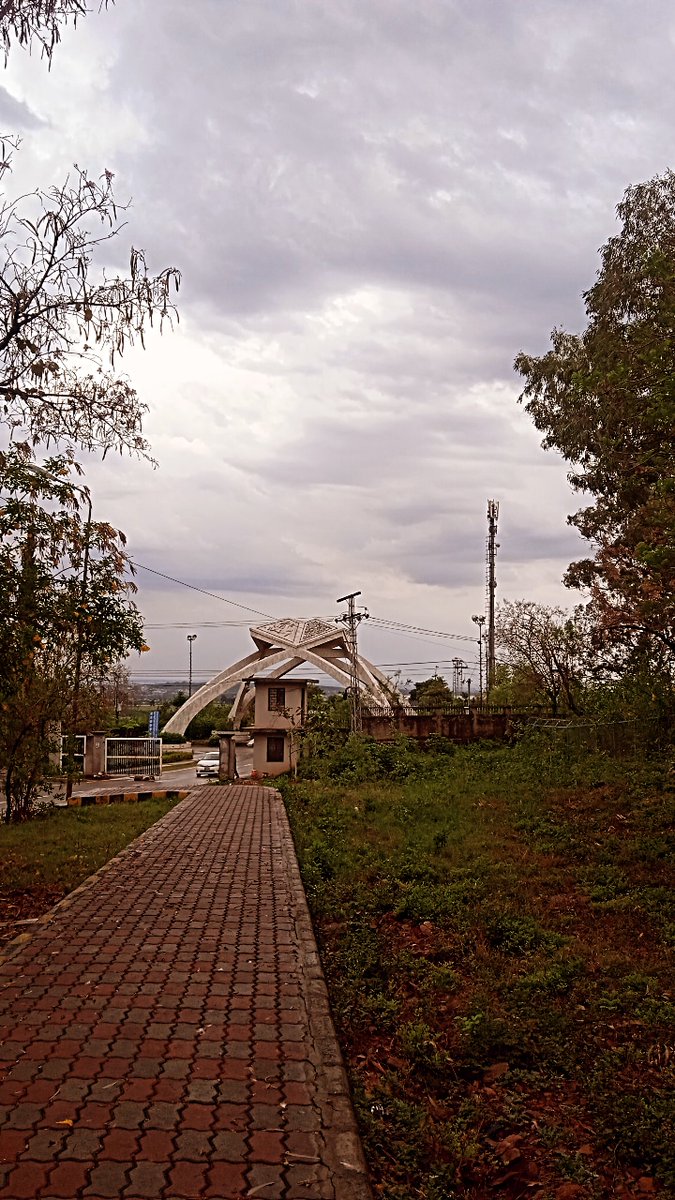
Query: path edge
column 344, row 1157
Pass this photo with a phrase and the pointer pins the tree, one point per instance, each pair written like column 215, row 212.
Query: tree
column 113, row 695
column 39, row 21
column 216, row 715
column 547, row 651
column 431, row 693
column 67, row 613
column 606, row 400
column 60, row 320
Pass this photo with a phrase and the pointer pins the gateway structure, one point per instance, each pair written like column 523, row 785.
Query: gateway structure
column 282, row 646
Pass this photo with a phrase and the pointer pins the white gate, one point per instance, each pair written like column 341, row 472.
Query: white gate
column 140, row 756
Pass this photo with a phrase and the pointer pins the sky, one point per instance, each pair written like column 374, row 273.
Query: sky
column 374, row 205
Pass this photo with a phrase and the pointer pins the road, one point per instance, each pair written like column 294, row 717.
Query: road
column 180, row 777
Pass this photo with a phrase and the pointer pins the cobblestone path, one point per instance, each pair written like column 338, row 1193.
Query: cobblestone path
column 165, row 1033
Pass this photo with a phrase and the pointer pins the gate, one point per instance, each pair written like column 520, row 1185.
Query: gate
column 79, row 751
column 134, row 756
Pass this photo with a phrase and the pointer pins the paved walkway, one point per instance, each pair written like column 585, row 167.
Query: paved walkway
column 165, row 1032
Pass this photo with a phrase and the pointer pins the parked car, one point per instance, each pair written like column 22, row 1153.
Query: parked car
column 209, row 764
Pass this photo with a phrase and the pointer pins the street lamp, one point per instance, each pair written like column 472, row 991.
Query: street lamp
column 191, row 637
column 480, row 621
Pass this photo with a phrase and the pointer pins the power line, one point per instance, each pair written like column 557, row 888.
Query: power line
column 195, row 624
column 401, row 627
column 194, row 588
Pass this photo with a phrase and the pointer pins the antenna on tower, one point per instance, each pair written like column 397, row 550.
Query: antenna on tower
column 491, row 548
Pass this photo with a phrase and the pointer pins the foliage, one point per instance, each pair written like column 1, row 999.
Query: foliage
column 356, row 758
column 606, row 400
column 216, row 715
column 66, row 613
column 548, row 648
column 58, row 318
column 39, row 22
column 494, row 934
column 113, row 696
column 431, row 693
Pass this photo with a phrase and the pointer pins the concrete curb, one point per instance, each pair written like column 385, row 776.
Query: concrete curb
column 344, row 1149
column 127, row 797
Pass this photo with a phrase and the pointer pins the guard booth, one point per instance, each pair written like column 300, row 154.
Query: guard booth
column 280, row 712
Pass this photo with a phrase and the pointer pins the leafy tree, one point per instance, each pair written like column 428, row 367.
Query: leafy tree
column 515, row 686
column 605, row 399
column 431, row 693
column 327, row 723
column 40, row 22
column 113, row 696
column 547, row 650
column 215, row 716
column 66, row 608
column 60, row 320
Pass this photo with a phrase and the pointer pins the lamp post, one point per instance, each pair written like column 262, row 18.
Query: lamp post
column 191, row 637
column 480, row 621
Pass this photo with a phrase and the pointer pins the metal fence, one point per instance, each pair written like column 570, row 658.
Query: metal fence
column 452, row 710
column 617, row 739
column 134, row 756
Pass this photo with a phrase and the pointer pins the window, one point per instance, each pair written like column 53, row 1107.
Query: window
column 275, row 748
column 276, row 699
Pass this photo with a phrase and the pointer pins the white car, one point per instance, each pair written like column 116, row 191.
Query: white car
column 209, row 764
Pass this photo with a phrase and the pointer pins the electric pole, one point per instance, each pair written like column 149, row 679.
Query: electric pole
column 492, row 546
column 458, row 667
column 352, row 619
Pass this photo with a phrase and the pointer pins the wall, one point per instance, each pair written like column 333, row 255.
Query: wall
column 459, row 727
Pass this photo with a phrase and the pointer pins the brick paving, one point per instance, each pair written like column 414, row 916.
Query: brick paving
column 165, row 1032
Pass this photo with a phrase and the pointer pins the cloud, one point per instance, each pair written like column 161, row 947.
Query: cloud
column 375, row 205
column 15, row 114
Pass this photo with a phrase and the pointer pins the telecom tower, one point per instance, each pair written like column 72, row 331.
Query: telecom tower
column 491, row 548
column 352, row 619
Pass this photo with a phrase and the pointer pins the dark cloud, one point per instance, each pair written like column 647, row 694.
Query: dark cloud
column 16, row 115
column 376, row 205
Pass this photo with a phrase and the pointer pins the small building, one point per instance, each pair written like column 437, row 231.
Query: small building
column 279, row 716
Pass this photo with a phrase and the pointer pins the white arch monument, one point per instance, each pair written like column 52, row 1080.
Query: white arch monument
column 283, row 645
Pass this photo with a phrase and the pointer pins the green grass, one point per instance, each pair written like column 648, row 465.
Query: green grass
column 44, row 859
column 494, row 929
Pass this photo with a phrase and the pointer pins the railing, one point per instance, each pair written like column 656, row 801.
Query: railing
column 456, row 709
column 133, row 756
column 617, row 739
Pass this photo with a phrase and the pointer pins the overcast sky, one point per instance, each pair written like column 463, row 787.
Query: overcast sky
column 375, row 204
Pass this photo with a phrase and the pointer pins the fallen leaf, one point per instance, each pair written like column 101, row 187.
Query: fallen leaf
column 495, row 1072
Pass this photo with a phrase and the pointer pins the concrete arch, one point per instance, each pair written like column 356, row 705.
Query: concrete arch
column 283, row 645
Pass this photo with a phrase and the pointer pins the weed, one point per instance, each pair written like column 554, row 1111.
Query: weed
column 497, row 907
column 514, row 933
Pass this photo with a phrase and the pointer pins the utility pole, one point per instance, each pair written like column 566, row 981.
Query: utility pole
column 458, row 667
column 191, row 637
column 492, row 546
column 352, row 619
column 480, row 621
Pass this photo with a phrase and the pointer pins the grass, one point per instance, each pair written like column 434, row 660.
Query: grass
column 44, row 859
column 495, row 934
